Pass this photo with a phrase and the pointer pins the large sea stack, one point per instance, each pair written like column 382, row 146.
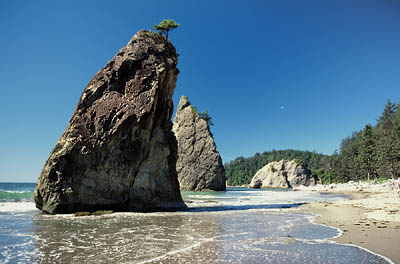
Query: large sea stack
column 283, row 174
column 199, row 164
column 118, row 151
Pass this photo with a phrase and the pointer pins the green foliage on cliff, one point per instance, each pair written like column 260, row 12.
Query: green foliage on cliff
column 372, row 153
column 194, row 110
column 165, row 26
column 203, row 115
column 299, row 162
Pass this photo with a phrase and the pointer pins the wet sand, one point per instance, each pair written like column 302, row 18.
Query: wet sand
column 371, row 219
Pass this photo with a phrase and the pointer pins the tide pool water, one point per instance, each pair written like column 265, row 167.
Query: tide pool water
column 237, row 226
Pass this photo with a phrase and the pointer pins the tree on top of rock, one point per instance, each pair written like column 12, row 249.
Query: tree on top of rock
column 204, row 115
column 165, row 26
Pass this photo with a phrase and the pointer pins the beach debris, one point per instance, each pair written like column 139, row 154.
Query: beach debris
column 81, row 213
column 97, row 213
column 289, row 240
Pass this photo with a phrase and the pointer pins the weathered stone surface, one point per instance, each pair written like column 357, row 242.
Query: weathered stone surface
column 118, row 152
column 283, row 174
column 199, row 164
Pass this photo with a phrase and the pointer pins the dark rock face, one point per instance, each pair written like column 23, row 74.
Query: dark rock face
column 283, row 174
column 199, row 164
column 118, row 151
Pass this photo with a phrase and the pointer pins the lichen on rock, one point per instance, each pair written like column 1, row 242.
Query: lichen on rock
column 199, row 164
column 118, row 152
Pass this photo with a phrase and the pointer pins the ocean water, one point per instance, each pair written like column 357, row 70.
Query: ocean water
column 16, row 192
column 238, row 226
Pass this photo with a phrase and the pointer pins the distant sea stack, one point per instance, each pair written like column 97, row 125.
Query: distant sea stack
column 199, row 164
column 283, row 174
column 118, row 151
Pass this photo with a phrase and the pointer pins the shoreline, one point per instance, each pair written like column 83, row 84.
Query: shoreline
column 370, row 219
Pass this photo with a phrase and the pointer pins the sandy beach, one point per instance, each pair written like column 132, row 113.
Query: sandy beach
column 371, row 219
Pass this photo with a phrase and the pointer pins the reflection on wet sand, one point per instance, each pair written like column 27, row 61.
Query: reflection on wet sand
column 120, row 237
column 219, row 208
column 255, row 235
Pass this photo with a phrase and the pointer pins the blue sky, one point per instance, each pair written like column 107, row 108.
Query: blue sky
column 272, row 74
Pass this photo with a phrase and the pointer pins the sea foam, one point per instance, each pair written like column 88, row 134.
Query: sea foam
column 17, row 207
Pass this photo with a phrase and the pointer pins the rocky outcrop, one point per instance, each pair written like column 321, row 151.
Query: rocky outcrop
column 199, row 164
column 283, row 174
column 118, row 152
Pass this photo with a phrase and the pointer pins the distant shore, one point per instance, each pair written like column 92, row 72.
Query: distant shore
column 371, row 219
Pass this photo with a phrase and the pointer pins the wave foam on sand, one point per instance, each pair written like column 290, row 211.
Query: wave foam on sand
column 17, row 207
column 371, row 219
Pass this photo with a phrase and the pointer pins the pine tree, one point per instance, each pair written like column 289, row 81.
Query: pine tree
column 348, row 168
column 204, row 115
column 367, row 158
column 386, row 141
column 385, row 121
column 165, row 26
column 394, row 139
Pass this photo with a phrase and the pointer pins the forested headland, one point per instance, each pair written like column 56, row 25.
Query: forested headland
column 369, row 154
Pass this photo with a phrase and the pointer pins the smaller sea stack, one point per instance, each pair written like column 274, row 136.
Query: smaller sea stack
column 283, row 174
column 199, row 164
